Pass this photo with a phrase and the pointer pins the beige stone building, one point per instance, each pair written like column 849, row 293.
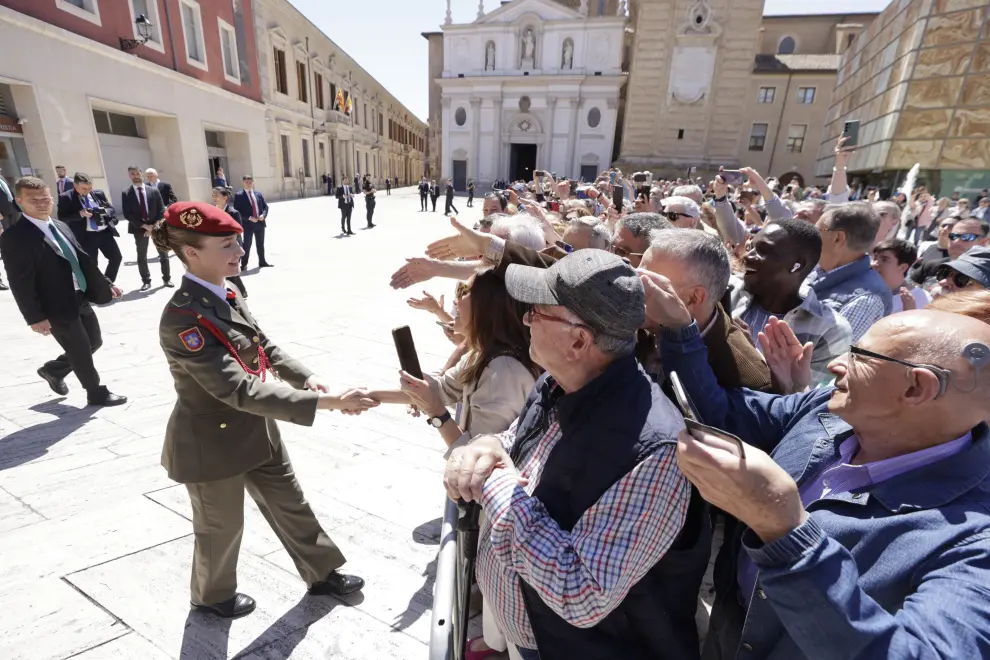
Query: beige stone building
column 324, row 113
column 916, row 86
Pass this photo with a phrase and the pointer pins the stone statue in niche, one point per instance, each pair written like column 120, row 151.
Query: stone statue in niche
column 528, row 49
column 490, row 56
column 568, row 59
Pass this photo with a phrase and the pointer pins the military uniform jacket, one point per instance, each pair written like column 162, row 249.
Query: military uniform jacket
column 223, row 422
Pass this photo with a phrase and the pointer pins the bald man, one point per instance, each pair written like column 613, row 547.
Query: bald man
column 168, row 195
column 865, row 506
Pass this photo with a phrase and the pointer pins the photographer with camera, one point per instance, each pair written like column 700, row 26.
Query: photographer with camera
column 93, row 220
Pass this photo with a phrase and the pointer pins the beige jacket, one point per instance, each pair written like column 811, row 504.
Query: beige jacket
column 493, row 403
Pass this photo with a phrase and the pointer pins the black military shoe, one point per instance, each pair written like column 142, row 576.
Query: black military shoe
column 104, row 397
column 234, row 608
column 337, row 584
column 145, row 287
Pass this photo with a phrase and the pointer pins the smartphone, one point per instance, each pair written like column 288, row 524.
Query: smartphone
column 618, row 194
column 611, row 178
column 692, row 420
column 581, row 194
column 406, row 350
column 574, row 185
column 851, row 131
column 733, row 177
column 641, row 177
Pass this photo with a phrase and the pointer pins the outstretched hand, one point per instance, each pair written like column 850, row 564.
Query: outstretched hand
column 789, row 361
column 416, row 271
column 465, row 243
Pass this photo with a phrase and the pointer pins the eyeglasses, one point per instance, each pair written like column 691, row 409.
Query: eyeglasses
column 948, row 273
column 532, row 313
column 634, row 257
column 674, row 216
column 967, row 237
column 940, row 373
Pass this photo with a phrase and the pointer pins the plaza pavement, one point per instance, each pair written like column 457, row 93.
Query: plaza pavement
column 95, row 541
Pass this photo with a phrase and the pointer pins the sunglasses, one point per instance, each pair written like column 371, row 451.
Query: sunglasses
column 940, row 373
column 674, row 216
column 948, row 273
column 967, row 237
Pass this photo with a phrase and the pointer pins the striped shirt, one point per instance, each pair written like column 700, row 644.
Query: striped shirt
column 583, row 574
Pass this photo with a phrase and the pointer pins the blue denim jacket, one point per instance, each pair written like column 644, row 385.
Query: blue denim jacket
column 901, row 570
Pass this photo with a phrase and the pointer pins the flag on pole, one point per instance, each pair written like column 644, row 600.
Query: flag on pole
column 349, row 106
column 339, row 105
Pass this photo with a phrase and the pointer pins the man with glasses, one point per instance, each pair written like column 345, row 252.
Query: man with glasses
column 970, row 272
column 632, row 235
column 965, row 234
column 923, row 271
column 54, row 280
column 865, row 506
column 682, row 212
column 594, row 545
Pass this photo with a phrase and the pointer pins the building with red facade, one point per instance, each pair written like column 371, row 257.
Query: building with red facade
column 86, row 85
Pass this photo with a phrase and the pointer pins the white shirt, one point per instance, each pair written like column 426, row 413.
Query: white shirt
column 921, row 300
column 47, row 228
column 219, row 291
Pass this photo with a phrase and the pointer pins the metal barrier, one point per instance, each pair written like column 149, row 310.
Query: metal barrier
column 455, row 575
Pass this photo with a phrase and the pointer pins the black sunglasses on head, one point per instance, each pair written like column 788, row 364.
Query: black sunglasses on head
column 949, row 273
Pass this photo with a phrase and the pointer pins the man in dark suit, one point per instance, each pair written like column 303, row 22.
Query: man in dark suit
column 63, row 183
column 168, row 195
column 143, row 206
column 54, row 281
column 345, row 202
column 253, row 208
column 424, row 193
column 93, row 220
column 449, row 200
column 388, row 187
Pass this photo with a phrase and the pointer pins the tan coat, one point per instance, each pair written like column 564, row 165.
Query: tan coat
column 223, row 422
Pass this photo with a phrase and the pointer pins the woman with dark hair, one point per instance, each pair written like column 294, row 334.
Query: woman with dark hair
column 221, row 200
column 490, row 383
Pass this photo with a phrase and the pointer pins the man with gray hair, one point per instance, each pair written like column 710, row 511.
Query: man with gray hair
column 632, row 235
column 599, row 551
column 844, row 279
column 691, row 192
column 695, row 266
column 168, row 195
column 521, row 228
column 587, row 233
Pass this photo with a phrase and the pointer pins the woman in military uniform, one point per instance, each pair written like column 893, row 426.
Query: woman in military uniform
column 232, row 383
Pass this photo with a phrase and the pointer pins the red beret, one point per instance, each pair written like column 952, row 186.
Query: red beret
column 201, row 218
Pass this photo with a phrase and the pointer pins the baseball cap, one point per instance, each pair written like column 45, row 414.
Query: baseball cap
column 974, row 263
column 684, row 205
column 598, row 286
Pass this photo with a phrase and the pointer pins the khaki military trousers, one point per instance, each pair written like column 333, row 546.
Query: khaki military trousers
column 218, row 524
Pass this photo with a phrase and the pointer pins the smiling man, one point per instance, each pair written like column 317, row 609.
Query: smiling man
column 777, row 264
column 866, row 532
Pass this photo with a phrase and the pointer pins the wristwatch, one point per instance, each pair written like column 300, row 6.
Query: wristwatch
column 437, row 422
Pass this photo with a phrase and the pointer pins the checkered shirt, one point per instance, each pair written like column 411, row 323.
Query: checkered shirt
column 586, row 573
column 811, row 321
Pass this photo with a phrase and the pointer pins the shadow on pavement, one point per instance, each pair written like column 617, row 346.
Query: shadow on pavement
column 28, row 444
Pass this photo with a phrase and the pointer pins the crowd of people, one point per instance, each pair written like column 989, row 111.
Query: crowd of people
column 833, row 423
column 832, row 358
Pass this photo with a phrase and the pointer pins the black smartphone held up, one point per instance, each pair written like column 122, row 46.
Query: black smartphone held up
column 851, row 131
column 618, row 195
column 693, row 421
column 406, row 350
column 733, row 177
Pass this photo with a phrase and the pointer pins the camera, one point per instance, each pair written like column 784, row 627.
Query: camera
column 101, row 216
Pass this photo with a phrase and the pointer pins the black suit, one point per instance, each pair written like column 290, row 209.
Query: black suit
column 8, row 209
column 252, row 230
column 434, row 193
column 388, row 186
column 69, row 206
column 346, row 207
column 168, row 195
column 449, row 201
column 41, row 281
column 424, row 192
column 137, row 215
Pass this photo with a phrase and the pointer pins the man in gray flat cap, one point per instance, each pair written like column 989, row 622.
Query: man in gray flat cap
column 594, row 543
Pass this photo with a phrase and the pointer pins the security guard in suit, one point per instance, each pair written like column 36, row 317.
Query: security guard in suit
column 232, row 384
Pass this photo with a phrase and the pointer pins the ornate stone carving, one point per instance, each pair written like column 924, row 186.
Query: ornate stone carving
column 490, row 56
column 691, row 73
column 567, row 59
column 475, row 101
column 528, row 49
column 583, row 8
column 448, row 19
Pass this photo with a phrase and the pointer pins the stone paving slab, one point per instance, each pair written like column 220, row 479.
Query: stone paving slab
column 95, row 541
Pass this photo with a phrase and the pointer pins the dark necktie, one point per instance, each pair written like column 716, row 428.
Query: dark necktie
column 254, row 204
column 144, row 206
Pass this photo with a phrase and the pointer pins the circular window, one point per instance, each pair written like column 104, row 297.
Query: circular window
column 594, row 117
column 460, row 116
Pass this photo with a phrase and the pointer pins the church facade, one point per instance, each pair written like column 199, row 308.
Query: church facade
column 532, row 85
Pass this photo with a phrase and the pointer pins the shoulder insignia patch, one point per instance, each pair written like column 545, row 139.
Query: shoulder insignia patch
column 192, row 339
column 181, row 301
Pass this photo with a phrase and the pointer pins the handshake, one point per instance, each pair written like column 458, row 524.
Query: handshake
column 352, row 401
